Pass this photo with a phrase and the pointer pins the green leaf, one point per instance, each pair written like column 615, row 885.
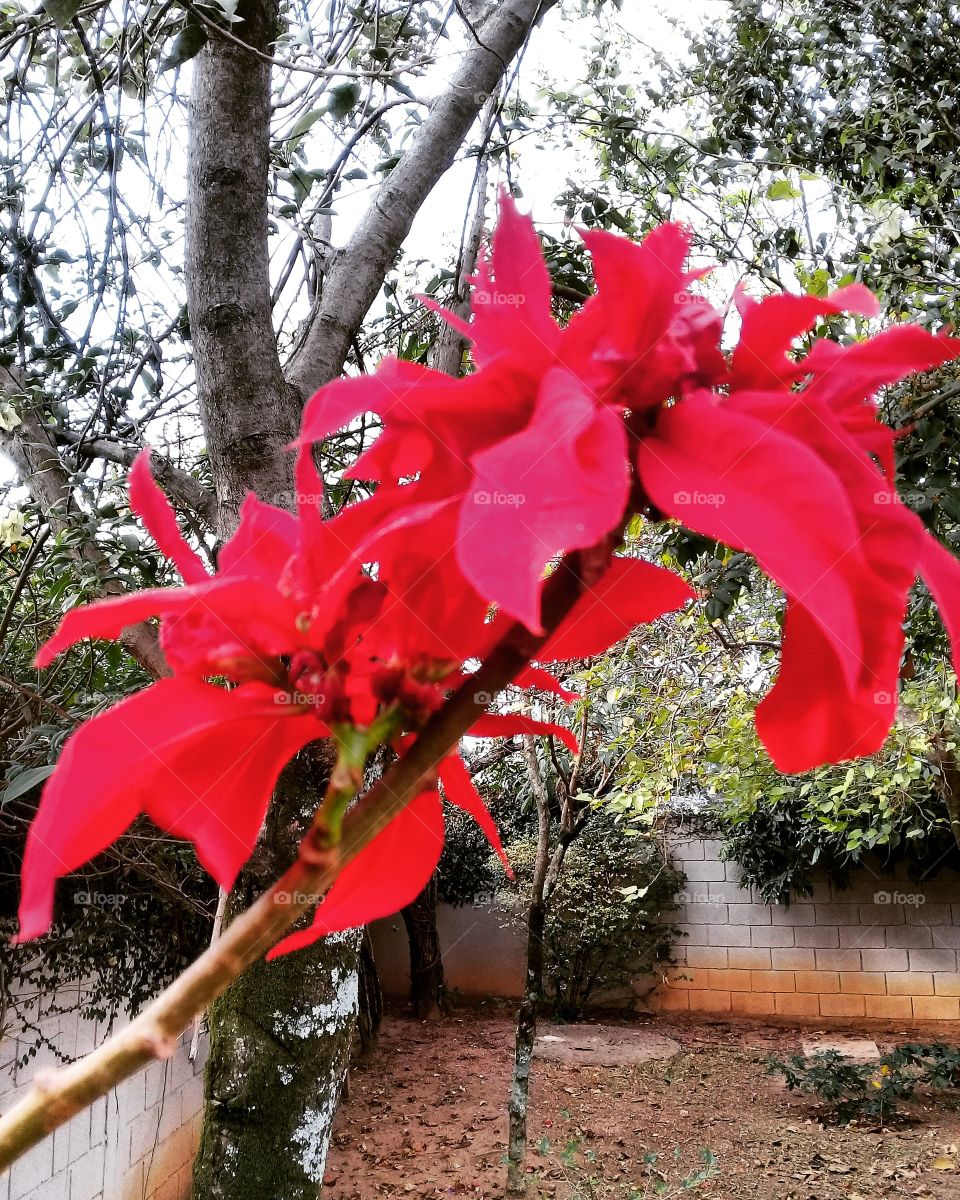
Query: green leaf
column 782, row 189
column 343, row 99
column 24, row 782
column 186, row 45
column 305, row 123
column 62, row 11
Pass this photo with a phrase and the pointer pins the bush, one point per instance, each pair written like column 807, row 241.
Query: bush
column 603, row 925
column 872, row 1090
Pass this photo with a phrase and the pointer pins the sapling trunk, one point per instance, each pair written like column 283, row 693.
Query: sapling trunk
column 533, row 988
column 546, row 873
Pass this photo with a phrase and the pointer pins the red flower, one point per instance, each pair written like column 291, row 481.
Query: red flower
column 802, row 480
column 534, row 454
column 202, row 761
column 531, row 451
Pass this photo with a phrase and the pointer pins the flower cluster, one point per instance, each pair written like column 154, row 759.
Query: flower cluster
column 313, row 628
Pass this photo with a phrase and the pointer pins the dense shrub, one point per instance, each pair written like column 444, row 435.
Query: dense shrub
column 604, row 918
column 871, row 1090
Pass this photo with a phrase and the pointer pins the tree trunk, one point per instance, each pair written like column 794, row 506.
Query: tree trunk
column 370, row 1012
column 533, row 990
column 280, row 1037
column 428, row 993
column 250, row 413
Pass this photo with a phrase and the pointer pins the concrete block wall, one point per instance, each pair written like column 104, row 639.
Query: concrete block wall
column 135, row 1144
column 881, row 948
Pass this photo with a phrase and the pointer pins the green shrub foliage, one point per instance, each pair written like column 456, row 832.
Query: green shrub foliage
column 604, row 925
column 871, row 1091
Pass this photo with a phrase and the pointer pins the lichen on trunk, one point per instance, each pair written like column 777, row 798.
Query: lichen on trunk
column 279, row 1048
column 280, row 1037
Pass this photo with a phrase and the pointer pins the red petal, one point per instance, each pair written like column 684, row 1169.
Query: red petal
column 201, row 761
column 155, row 510
column 211, row 610
column 560, row 484
column 543, row 681
column 511, row 308
column 743, row 482
column 637, row 291
column 941, row 571
column 631, row 593
column 811, row 717
column 264, row 541
column 510, row 724
column 855, row 372
column 771, row 326
column 460, row 790
column 387, row 874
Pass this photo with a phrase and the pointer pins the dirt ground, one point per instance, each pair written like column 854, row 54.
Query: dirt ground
column 425, row 1116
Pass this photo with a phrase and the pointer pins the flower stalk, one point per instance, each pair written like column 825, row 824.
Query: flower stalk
column 58, row 1095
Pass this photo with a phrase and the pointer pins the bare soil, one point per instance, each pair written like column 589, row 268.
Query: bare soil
column 425, row 1116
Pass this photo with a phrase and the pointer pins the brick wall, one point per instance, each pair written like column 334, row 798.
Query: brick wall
column 882, row 947
column 136, row 1144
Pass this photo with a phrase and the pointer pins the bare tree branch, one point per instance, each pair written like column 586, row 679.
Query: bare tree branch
column 184, row 490
column 31, row 449
column 358, row 270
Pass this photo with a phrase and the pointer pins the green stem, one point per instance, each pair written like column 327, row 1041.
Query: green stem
column 57, row 1096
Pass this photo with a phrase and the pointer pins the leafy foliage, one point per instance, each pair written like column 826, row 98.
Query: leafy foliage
column 603, row 925
column 873, row 1091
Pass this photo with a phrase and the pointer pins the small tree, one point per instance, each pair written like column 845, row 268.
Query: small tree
column 604, row 924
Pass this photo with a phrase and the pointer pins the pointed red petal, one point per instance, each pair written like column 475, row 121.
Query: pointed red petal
column 510, row 724
column 746, row 483
column 387, row 874
column 264, row 541
column 631, row 593
column 847, row 377
column 460, row 790
column 560, row 484
column 543, row 681
column 212, row 609
column 153, row 508
column 772, row 325
column 941, row 571
column 511, row 295
column 200, row 760
column 811, row 716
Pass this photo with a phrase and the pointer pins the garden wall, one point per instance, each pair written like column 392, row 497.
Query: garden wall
column 137, row 1144
column 881, row 948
